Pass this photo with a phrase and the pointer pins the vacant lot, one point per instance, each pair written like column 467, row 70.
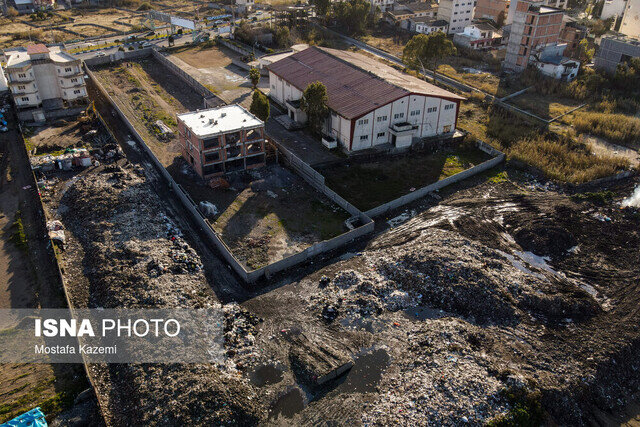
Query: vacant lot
column 372, row 184
column 146, row 91
column 268, row 214
column 212, row 66
column 544, row 106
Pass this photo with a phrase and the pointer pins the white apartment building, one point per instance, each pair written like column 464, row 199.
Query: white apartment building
column 613, row 9
column 384, row 5
column 245, row 5
column 371, row 104
column 631, row 19
column 44, row 79
column 458, row 13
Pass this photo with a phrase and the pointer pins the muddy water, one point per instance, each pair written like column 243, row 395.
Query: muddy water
column 288, row 404
column 366, row 372
column 265, row 375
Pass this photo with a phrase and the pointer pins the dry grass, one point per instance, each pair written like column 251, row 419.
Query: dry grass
column 616, row 128
column 562, row 158
column 544, row 106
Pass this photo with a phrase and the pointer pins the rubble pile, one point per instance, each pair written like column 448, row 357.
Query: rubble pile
column 446, row 271
column 240, row 330
column 134, row 255
column 446, row 381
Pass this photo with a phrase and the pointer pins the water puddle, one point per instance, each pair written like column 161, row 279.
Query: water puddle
column 372, row 325
column 366, row 372
column 266, row 375
column 288, row 404
column 425, row 313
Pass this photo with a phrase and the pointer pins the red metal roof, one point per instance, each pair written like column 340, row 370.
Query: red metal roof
column 355, row 85
column 37, row 48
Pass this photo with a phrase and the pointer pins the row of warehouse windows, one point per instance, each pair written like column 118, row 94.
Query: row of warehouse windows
column 401, row 115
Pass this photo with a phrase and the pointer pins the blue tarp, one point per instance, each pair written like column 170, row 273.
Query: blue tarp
column 33, row 418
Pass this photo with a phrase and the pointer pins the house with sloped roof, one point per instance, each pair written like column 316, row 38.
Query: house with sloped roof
column 371, row 104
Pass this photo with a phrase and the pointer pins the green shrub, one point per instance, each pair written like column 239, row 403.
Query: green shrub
column 144, row 6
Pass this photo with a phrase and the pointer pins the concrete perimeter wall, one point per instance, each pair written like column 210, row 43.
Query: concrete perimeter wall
column 498, row 157
column 208, row 232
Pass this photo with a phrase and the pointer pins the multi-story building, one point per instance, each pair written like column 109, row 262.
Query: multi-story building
column 478, row 35
column 384, row 5
column 615, row 50
column 558, row 4
column 43, row 81
column 371, row 104
column 534, row 26
column 404, row 15
column 572, row 34
column 458, row 13
column 220, row 140
column 630, row 25
column 245, row 5
column 429, row 25
column 491, row 9
column 613, row 9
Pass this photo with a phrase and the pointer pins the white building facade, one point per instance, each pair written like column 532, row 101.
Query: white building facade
column 43, row 79
column 404, row 111
column 384, row 5
column 458, row 13
column 630, row 25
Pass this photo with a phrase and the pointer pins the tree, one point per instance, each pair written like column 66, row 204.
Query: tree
column 12, row 12
column 584, row 53
column 322, row 7
column 260, row 106
column 500, row 19
column 423, row 49
column 353, row 15
column 254, row 76
column 314, row 104
column 283, row 37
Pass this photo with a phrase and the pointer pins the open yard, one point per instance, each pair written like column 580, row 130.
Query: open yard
column 268, row 214
column 147, row 91
column 544, row 106
column 212, row 66
column 371, row 184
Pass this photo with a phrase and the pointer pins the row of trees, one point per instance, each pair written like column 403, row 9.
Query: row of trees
column 353, row 16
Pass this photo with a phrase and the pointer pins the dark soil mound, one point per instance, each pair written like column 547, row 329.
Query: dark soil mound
column 544, row 239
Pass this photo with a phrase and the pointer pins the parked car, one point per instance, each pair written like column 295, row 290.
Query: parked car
column 101, row 54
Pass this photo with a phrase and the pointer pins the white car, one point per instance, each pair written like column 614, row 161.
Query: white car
column 3, row 129
column 100, row 54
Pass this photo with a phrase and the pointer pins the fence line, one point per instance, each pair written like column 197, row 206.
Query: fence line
column 310, row 175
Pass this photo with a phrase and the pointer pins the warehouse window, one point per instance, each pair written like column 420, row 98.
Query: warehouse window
column 398, row 115
column 381, row 119
column 415, row 113
column 364, row 137
column 381, row 134
column 363, row 121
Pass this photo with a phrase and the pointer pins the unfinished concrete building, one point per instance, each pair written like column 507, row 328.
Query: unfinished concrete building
column 220, row 140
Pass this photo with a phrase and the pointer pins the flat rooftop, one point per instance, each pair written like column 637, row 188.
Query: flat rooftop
column 21, row 57
column 219, row 120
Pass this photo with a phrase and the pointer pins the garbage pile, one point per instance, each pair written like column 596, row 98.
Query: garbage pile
column 240, row 330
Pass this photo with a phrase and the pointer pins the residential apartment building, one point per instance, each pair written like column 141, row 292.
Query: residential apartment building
column 429, row 25
column 551, row 61
column 458, row 13
column 572, row 34
column 404, row 15
column 43, row 80
column 220, row 140
column 479, row 35
column 558, row 4
column 534, row 26
column 613, row 9
column 491, row 9
column 371, row 104
column 630, row 25
column 616, row 50
column 384, row 5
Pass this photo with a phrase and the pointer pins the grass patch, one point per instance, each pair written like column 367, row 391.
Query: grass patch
column 526, row 410
column 372, row 184
column 18, row 236
column 616, row 128
column 599, row 198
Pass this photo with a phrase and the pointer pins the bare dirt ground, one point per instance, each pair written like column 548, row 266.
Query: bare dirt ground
column 268, row 213
column 500, row 301
column 212, row 67
column 147, row 92
column 26, row 281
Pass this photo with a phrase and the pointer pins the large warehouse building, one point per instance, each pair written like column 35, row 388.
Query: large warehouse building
column 371, row 103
